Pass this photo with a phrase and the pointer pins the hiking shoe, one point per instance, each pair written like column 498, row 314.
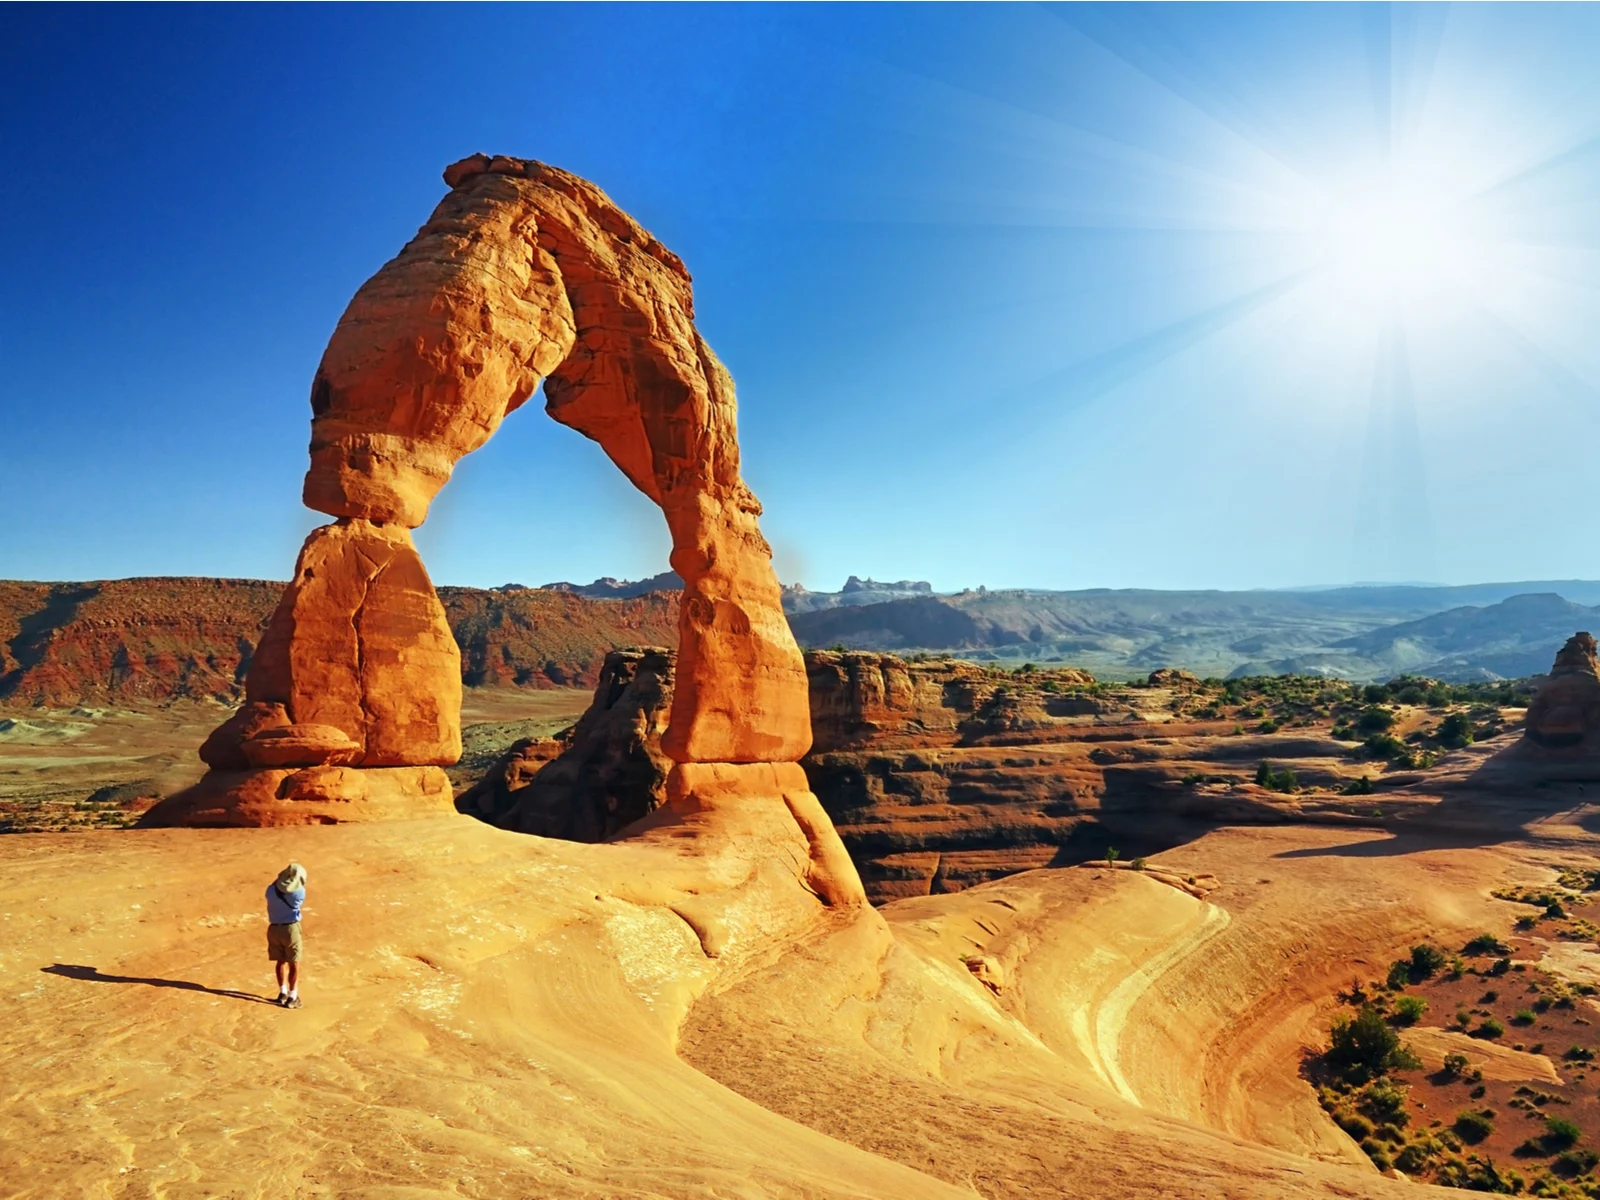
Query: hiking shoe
column 292, row 1002
column 283, row 999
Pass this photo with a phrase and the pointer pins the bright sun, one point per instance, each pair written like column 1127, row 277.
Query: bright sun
column 1387, row 241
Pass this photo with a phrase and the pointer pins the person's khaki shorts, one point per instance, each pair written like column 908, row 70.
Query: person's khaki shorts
column 283, row 942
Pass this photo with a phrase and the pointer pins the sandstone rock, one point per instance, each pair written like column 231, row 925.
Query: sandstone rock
column 1173, row 677
column 325, row 795
column 224, row 748
column 610, row 771
column 526, row 273
column 299, row 746
column 1565, row 711
column 359, row 642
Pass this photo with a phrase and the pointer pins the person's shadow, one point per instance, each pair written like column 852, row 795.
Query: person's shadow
column 93, row 975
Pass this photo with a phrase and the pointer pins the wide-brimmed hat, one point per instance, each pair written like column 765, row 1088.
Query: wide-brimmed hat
column 291, row 879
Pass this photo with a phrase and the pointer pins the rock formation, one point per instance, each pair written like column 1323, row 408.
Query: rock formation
column 603, row 774
column 1565, row 711
column 524, row 274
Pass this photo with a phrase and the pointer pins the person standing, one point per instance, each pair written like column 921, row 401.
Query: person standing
column 285, row 895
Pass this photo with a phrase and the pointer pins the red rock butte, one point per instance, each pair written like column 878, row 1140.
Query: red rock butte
column 523, row 274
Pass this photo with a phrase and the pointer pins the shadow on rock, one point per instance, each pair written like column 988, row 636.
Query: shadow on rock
column 94, row 975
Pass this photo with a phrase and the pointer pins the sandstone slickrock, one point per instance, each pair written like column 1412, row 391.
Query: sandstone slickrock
column 527, row 274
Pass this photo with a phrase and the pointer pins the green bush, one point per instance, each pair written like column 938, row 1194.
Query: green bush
column 1408, row 1010
column 1384, row 1101
column 1386, row 745
column 1274, row 780
column 1579, row 1054
column 1455, row 1065
column 1559, row 1133
column 1471, row 1126
column 1375, row 719
column 1363, row 1047
column 1523, row 1016
column 1485, row 943
column 1455, row 731
column 1358, row 787
column 1489, row 1028
column 1426, row 961
column 1356, row 1126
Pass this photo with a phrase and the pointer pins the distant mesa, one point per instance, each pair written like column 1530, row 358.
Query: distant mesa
column 607, row 588
column 855, row 584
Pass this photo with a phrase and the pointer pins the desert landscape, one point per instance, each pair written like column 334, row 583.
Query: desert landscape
column 716, row 917
column 697, row 883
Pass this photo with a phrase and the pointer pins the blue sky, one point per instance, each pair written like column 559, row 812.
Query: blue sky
column 1079, row 296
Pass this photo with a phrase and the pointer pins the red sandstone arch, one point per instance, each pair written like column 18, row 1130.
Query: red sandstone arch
column 524, row 273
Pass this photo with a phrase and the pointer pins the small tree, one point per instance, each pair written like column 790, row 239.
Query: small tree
column 1362, row 1047
column 1112, row 855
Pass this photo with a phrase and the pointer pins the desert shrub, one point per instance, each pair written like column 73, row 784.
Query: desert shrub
column 1489, row 1027
column 1358, row 787
column 1386, row 745
column 1485, row 943
column 1267, row 726
column 1473, row 1126
column 1559, row 1133
column 1138, row 864
column 1523, row 1016
column 1375, row 719
column 1374, row 693
column 1579, row 1054
column 1409, row 1009
column 1455, row 731
column 1490, row 996
column 1356, row 1126
column 1363, row 1047
column 1455, row 1065
column 1501, row 966
column 1413, row 1158
column 1112, row 854
column 1575, row 1162
column 1399, row 974
column 1378, row 1153
column 1384, row 1101
column 1426, row 960
column 1274, row 780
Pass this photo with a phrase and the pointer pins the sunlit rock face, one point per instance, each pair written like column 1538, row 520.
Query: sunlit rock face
column 523, row 274
column 1565, row 712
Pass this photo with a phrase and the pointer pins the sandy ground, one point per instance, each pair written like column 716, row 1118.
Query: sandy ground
column 493, row 1015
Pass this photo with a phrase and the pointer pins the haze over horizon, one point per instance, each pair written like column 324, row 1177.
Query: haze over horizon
column 1050, row 297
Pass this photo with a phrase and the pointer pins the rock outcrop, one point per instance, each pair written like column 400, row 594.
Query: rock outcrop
column 1565, row 711
column 597, row 777
column 523, row 275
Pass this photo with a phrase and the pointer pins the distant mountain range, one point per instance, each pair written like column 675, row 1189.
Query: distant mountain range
column 1478, row 631
column 152, row 640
